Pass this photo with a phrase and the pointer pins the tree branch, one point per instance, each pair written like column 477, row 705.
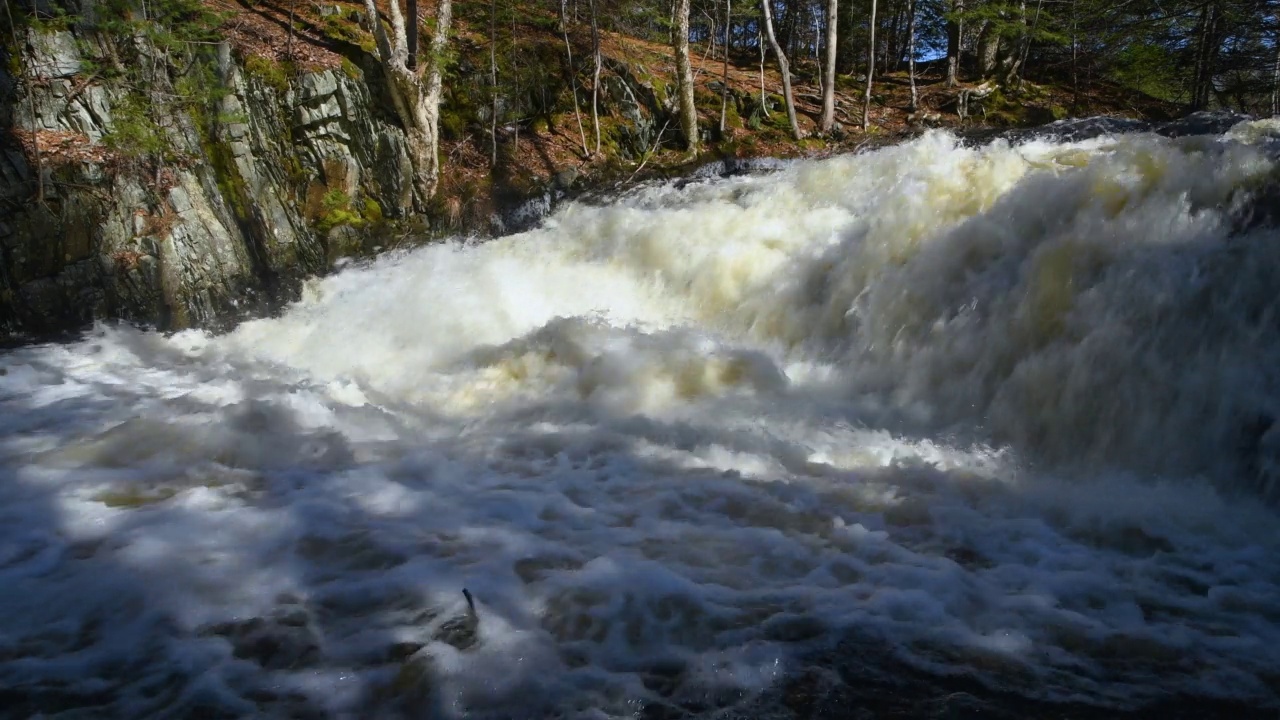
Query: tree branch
column 379, row 33
column 440, row 40
column 399, row 40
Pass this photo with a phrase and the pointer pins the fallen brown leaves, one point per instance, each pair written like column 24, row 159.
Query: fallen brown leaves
column 158, row 224
column 263, row 31
column 127, row 260
column 60, row 148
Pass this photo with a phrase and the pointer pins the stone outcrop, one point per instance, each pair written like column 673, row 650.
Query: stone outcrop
column 286, row 180
column 275, row 180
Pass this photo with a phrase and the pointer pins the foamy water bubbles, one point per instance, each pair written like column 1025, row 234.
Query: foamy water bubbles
column 972, row 410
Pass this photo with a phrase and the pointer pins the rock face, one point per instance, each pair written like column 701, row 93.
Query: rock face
column 285, row 180
column 197, row 214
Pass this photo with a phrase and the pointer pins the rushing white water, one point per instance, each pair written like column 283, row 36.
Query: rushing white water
column 996, row 408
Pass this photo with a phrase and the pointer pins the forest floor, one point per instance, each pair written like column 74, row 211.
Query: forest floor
column 532, row 154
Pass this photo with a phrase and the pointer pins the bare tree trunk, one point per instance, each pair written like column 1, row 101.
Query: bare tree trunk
column 988, row 50
column 787, row 27
column 515, row 92
column 430, row 104
column 671, row 32
column 911, row 55
column 1075, row 66
column 1201, row 31
column 724, row 80
column 829, row 82
column 892, row 43
column 1026, row 44
column 816, row 54
column 493, row 80
column 573, row 76
column 871, row 70
column 1275, row 79
column 684, row 78
column 595, row 75
column 764, row 102
column 412, row 37
column 955, row 42
column 416, row 99
column 783, row 66
column 1011, row 55
column 1206, row 57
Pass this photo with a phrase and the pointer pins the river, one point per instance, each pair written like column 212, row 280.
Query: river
column 995, row 417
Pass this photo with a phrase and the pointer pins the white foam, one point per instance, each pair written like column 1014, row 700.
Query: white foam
column 974, row 402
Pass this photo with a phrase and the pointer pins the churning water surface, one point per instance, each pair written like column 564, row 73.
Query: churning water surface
column 1002, row 413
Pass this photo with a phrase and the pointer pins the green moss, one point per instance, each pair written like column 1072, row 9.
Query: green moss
column 274, row 74
column 343, row 29
column 351, row 70
column 335, row 199
column 609, row 141
column 731, row 117
column 336, row 210
column 15, row 62
column 372, row 211
column 454, row 121
column 232, row 190
column 330, row 207
column 341, row 216
column 777, row 121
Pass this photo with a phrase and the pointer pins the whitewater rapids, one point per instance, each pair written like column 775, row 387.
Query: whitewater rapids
column 1002, row 412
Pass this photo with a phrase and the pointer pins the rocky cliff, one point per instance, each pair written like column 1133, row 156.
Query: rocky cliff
column 268, row 182
column 181, row 187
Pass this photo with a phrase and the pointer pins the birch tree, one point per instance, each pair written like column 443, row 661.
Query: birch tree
column 684, row 77
column 415, row 89
column 1026, row 43
column 829, row 81
column 955, row 41
column 764, row 100
column 1275, row 83
column 783, row 66
column 573, row 77
column 871, row 69
column 595, row 75
column 493, row 80
column 911, row 55
column 724, row 84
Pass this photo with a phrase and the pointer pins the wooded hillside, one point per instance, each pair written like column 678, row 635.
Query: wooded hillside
column 932, row 62
column 512, row 93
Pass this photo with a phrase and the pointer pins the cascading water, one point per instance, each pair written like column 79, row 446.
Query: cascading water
column 1002, row 413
